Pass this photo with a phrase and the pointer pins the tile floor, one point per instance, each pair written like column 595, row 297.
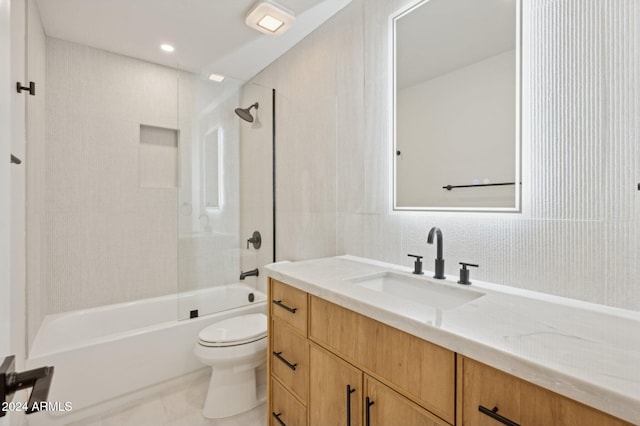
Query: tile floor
column 180, row 407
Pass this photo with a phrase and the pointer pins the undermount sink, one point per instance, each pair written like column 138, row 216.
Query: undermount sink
column 417, row 290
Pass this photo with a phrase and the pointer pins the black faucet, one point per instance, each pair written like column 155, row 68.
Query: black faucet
column 252, row 273
column 439, row 260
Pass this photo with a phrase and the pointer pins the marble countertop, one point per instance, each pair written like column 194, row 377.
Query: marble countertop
column 587, row 352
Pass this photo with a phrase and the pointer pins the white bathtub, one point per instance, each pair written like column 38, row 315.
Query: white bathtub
column 107, row 352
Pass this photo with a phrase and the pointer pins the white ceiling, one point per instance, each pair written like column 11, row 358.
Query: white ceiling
column 443, row 35
column 208, row 35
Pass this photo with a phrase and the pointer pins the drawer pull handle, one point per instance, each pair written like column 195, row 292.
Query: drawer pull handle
column 494, row 415
column 350, row 390
column 281, row 358
column 277, row 417
column 367, row 416
column 282, row 305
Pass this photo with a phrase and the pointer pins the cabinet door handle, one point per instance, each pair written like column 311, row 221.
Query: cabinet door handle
column 350, row 390
column 282, row 305
column 367, row 414
column 493, row 413
column 281, row 358
column 277, row 417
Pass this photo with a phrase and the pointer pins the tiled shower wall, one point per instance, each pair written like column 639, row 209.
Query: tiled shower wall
column 101, row 238
column 579, row 232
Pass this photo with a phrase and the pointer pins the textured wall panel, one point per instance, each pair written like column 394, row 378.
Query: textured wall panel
column 104, row 240
column 579, row 233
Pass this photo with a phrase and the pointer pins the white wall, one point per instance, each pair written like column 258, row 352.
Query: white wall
column 35, row 155
column 99, row 237
column 18, row 148
column 457, row 128
column 5, row 182
column 579, row 233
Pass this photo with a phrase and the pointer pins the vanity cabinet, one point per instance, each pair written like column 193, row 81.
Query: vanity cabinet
column 329, row 365
column 487, row 396
column 343, row 368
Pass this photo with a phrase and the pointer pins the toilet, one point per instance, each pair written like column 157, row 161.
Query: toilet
column 234, row 348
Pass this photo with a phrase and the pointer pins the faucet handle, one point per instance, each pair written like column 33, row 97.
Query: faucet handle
column 256, row 240
column 464, row 273
column 417, row 265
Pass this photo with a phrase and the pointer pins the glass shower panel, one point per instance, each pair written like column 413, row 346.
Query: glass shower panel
column 208, row 194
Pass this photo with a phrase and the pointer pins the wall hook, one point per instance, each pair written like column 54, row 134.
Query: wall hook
column 15, row 160
column 31, row 88
column 11, row 382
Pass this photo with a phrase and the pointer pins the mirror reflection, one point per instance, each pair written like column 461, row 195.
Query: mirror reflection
column 457, row 106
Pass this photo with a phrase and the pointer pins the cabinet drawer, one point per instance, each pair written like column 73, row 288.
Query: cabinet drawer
column 519, row 401
column 290, row 305
column 487, row 387
column 387, row 407
column 422, row 370
column 285, row 407
column 290, row 358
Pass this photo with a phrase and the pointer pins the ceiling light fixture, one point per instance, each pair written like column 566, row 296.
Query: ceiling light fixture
column 216, row 77
column 268, row 17
column 167, row 48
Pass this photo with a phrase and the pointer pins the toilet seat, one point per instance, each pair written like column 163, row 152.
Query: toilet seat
column 234, row 331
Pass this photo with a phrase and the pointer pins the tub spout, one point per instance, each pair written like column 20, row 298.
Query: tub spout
column 252, row 273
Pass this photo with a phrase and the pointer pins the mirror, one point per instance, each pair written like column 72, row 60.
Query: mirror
column 456, row 93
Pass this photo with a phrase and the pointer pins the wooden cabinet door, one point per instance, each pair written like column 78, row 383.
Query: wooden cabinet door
column 543, row 407
column 486, row 387
column 383, row 406
column 335, row 390
column 422, row 370
column 518, row 401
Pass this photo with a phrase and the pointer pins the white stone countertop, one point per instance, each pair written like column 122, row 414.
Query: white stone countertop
column 586, row 352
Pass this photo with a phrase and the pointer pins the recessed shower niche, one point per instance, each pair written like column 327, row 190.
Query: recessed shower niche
column 158, row 157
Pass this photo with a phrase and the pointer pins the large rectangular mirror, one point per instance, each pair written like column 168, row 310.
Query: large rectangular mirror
column 456, row 94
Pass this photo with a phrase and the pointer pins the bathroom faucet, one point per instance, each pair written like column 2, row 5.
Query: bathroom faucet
column 252, row 273
column 439, row 260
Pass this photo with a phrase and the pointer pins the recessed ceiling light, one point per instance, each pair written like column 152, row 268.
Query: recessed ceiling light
column 268, row 17
column 216, row 77
column 167, row 48
column 270, row 23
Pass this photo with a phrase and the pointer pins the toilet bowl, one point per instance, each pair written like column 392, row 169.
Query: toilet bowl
column 234, row 348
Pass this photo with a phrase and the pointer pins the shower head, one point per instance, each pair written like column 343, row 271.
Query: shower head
column 245, row 113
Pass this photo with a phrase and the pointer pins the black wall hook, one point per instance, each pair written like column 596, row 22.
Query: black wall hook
column 31, row 89
column 10, row 382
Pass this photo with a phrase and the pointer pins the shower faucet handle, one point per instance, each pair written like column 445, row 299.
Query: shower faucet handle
column 255, row 239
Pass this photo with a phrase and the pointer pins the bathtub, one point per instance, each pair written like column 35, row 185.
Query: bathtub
column 107, row 352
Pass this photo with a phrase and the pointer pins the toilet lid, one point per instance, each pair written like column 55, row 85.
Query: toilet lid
column 235, row 331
